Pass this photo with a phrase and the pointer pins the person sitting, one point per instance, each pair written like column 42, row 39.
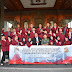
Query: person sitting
column 15, row 41
column 29, row 43
column 57, row 41
column 67, row 42
column 3, row 48
column 36, row 40
column 51, row 40
column 45, row 41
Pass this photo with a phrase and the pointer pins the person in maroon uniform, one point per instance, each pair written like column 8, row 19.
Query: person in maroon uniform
column 29, row 43
column 66, row 30
column 3, row 48
column 29, row 35
column 61, row 35
column 13, row 33
column 67, row 42
column 51, row 40
column 23, row 42
column 57, row 41
column 48, row 28
column 20, row 36
column 33, row 32
column 6, row 33
column 8, row 44
column 40, row 31
column 18, row 28
column 15, row 41
column 31, row 27
column 55, row 27
column 25, row 29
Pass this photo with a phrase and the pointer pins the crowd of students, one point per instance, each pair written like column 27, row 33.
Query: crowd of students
column 35, row 36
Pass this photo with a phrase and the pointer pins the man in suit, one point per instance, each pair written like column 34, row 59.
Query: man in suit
column 36, row 40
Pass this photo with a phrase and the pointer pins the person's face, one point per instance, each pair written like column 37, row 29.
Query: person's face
column 23, row 39
column 60, row 30
column 9, row 29
column 31, row 25
column 20, row 31
column 33, row 29
column 9, row 38
column 3, row 37
column 18, row 25
column 66, row 39
column 45, row 32
column 40, row 26
column 58, row 38
column 48, row 24
column 25, row 26
column 45, row 36
column 51, row 38
column 36, row 35
column 14, row 30
column 29, row 39
column 28, row 32
column 55, row 24
column 16, row 38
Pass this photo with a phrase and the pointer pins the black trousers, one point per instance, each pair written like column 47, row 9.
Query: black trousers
column 3, row 57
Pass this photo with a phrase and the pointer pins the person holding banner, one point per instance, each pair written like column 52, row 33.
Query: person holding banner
column 36, row 40
column 45, row 41
column 3, row 48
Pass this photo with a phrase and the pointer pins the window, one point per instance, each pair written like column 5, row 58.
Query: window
column 9, row 25
column 70, row 24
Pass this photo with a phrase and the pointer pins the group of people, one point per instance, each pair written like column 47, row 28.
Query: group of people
column 35, row 36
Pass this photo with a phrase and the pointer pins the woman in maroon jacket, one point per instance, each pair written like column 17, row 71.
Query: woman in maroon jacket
column 57, row 41
column 29, row 43
column 15, row 41
column 4, row 48
column 8, row 44
column 51, row 40
column 67, row 42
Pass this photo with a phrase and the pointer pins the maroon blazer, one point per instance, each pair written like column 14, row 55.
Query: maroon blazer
column 28, row 44
column 62, row 37
column 54, row 30
column 6, row 34
column 8, row 44
column 51, row 42
column 3, row 45
column 40, row 34
column 66, row 32
column 48, row 29
column 18, row 30
column 14, row 42
column 67, row 43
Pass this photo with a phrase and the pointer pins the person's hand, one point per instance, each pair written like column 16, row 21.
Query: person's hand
column 37, row 42
column 31, row 42
column 51, row 43
column 3, row 28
